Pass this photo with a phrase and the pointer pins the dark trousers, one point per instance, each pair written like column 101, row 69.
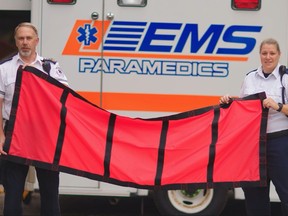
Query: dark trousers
column 257, row 198
column 14, row 176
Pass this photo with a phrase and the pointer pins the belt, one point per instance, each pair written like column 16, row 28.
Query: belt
column 277, row 134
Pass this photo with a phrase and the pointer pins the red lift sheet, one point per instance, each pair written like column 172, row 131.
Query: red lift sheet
column 53, row 127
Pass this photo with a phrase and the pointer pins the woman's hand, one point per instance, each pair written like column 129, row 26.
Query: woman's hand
column 270, row 104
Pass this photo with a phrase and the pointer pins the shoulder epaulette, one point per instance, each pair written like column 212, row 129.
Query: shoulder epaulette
column 251, row 71
column 50, row 60
column 6, row 59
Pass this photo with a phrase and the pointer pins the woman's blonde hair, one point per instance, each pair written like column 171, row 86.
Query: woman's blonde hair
column 270, row 41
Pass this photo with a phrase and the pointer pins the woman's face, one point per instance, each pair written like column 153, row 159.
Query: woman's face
column 269, row 57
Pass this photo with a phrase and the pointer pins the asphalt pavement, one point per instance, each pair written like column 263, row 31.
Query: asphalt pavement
column 133, row 206
column 33, row 209
column 90, row 206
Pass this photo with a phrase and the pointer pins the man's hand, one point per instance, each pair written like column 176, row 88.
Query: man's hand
column 2, row 140
column 226, row 99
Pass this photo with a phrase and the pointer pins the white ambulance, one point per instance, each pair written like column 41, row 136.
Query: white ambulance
column 147, row 58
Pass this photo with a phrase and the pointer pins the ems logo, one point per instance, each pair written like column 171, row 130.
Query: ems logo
column 87, row 35
column 85, row 38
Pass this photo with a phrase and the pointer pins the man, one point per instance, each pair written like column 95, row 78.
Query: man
column 14, row 175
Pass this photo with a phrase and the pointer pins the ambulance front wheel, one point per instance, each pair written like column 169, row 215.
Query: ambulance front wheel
column 199, row 202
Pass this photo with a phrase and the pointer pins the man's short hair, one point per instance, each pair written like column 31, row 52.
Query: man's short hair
column 26, row 24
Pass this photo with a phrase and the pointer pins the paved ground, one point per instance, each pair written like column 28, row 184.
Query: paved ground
column 97, row 206
column 88, row 206
column 32, row 210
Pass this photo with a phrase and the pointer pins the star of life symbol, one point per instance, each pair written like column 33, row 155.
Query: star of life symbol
column 87, row 34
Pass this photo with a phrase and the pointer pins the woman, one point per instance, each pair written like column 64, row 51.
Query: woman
column 267, row 78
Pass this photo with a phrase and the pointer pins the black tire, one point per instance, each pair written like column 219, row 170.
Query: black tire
column 200, row 202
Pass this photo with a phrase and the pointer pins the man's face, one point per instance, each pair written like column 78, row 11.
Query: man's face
column 269, row 57
column 26, row 41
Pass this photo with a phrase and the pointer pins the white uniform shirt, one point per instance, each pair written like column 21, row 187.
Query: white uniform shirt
column 256, row 82
column 8, row 74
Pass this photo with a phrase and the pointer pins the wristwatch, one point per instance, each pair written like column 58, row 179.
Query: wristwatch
column 280, row 107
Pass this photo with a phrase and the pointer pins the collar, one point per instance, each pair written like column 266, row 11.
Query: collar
column 36, row 61
column 275, row 72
